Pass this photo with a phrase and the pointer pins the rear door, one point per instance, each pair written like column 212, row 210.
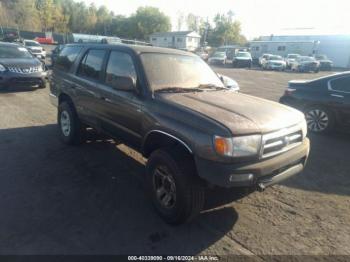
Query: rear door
column 88, row 74
column 121, row 110
column 339, row 91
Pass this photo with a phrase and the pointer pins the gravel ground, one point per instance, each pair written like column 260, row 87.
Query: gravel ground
column 90, row 199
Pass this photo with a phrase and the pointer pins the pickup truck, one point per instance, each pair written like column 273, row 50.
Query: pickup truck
column 174, row 109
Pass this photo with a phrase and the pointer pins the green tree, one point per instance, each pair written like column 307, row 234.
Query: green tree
column 45, row 10
column 148, row 20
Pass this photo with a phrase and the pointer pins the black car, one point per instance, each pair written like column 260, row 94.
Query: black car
column 325, row 101
column 174, row 109
column 242, row 59
column 19, row 68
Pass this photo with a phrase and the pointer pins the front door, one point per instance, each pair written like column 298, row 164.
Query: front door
column 339, row 91
column 121, row 110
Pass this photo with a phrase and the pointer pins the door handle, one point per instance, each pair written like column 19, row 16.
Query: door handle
column 339, row 96
column 106, row 99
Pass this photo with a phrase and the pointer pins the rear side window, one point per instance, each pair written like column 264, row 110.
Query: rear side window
column 66, row 57
column 119, row 65
column 91, row 65
column 341, row 84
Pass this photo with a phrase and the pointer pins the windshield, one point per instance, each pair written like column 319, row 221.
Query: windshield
column 31, row 44
column 219, row 54
column 292, row 56
column 306, row 58
column 178, row 71
column 14, row 52
column 243, row 54
column 275, row 57
column 321, row 57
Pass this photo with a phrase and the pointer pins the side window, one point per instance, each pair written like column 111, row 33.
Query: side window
column 91, row 65
column 119, row 65
column 341, row 84
column 66, row 57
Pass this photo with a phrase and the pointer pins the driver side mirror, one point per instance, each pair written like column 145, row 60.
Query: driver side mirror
column 124, row 83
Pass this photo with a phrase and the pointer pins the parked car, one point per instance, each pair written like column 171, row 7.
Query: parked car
column 290, row 58
column 55, row 52
column 202, row 54
column 218, row 58
column 229, row 83
column 18, row 68
column 172, row 107
column 305, row 64
column 35, row 48
column 274, row 62
column 325, row 63
column 263, row 58
column 325, row 101
column 242, row 59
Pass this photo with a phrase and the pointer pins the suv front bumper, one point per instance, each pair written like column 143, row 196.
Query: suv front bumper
column 264, row 173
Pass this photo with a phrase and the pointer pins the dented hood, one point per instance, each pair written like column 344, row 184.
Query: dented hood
column 240, row 113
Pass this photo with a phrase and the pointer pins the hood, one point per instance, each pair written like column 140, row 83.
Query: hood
column 297, row 83
column 34, row 47
column 240, row 113
column 242, row 58
column 277, row 61
column 20, row 62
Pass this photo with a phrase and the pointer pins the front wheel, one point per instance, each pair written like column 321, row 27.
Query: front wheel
column 176, row 191
column 319, row 120
column 71, row 130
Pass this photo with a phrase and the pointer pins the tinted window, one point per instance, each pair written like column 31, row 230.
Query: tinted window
column 91, row 65
column 13, row 51
column 119, row 65
column 341, row 84
column 67, row 57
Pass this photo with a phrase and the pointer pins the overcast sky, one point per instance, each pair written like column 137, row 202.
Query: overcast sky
column 258, row 17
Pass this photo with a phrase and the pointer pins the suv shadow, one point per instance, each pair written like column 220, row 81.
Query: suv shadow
column 87, row 200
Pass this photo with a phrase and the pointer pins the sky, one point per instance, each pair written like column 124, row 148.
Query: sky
column 258, row 17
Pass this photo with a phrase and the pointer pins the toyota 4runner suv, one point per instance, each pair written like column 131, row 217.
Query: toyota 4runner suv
column 170, row 106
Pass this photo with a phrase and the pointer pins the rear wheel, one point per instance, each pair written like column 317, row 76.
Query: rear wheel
column 176, row 191
column 319, row 120
column 71, row 130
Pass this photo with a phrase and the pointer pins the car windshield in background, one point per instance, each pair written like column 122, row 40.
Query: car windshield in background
column 292, row 56
column 14, row 52
column 243, row 54
column 31, row 44
column 165, row 71
column 275, row 57
column 321, row 57
column 219, row 54
column 306, row 59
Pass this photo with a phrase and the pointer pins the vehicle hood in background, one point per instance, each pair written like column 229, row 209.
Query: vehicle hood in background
column 20, row 62
column 242, row 58
column 242, row 114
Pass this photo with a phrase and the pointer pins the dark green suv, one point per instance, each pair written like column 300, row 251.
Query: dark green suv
column 170, row 106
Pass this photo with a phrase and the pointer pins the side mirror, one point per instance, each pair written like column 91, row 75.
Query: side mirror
column 124, row 83
column 229, row 82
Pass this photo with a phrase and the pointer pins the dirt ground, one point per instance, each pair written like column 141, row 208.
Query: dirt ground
column 90, row 199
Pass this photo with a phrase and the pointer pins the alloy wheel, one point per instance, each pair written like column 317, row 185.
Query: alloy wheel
column 317, row 120
column 65, row 123
column 164, row 186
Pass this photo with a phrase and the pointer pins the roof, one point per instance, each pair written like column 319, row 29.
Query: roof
column 175, row 33
column 137, row 49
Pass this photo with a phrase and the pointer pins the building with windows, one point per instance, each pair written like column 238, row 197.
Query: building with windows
column 335, row 47
column 186, row 40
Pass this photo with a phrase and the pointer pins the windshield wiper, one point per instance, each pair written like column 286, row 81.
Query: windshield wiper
column 211, row 86
column 177, row 90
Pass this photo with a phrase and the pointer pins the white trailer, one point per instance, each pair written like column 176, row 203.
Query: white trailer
column 282, row 48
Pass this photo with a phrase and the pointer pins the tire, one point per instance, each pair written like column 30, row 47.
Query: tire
column 319, row 119
column 72, row 131
column 179, row 196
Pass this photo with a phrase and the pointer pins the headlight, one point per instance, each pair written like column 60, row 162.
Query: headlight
column 2, row 68
column 239, row 146
column 304, row 128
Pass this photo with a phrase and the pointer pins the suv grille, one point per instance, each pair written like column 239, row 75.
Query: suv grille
column 24, row 70
column 281, row 141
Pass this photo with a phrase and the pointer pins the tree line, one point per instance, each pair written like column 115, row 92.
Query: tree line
column 65, row 16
